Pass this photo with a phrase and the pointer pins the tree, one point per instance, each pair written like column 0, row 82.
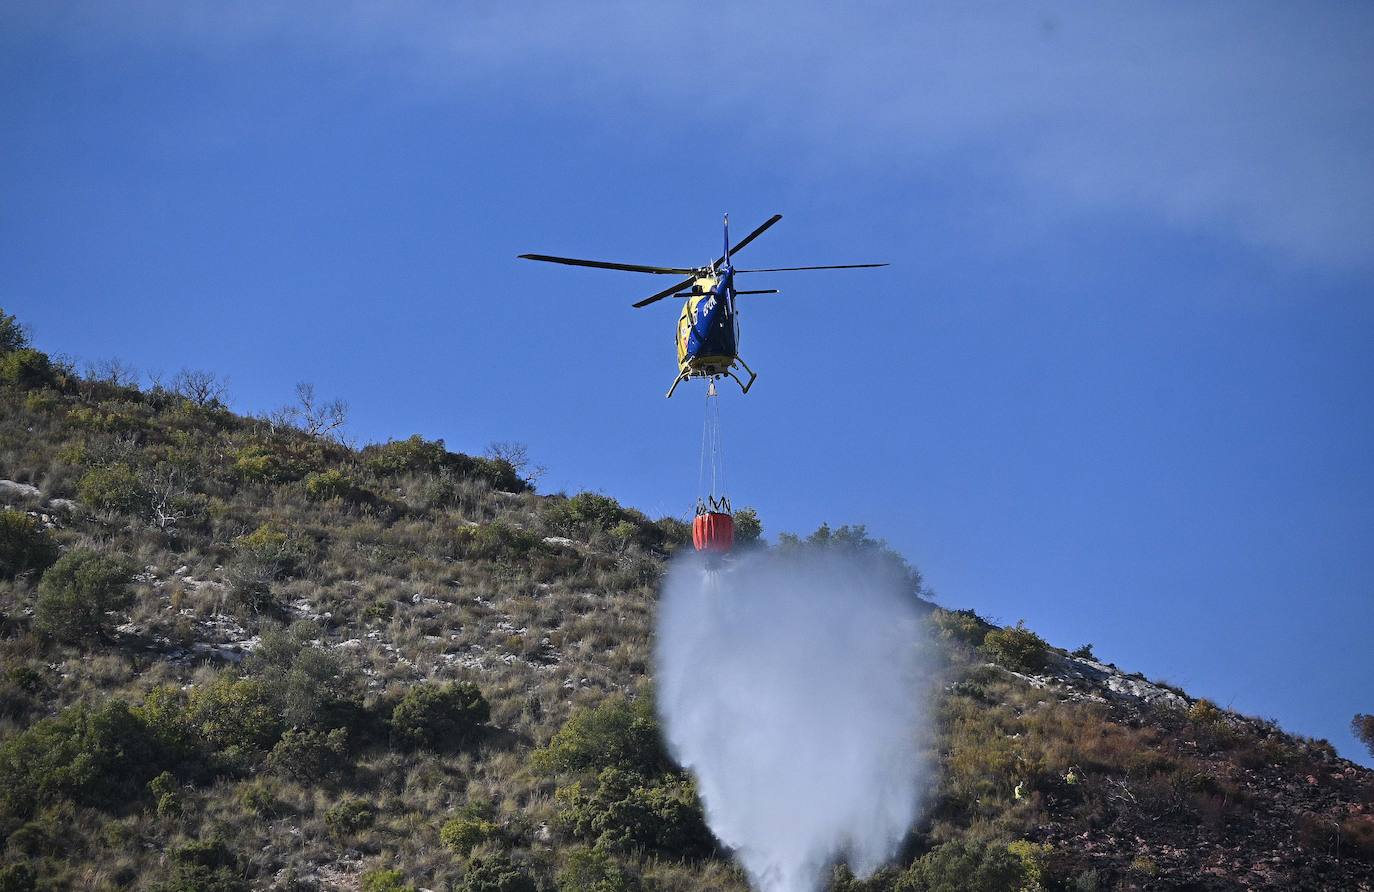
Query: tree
column 115, row 372
column 12, row 334
column 1363, row 727
column 748, row 527
column 205, row 389
column 961, row 866
column 517, row 455
column 76, row 592
column 315, row 418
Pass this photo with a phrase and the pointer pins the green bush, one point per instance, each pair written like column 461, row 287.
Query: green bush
column 349, row 817
column 961, row 866
column 584, row 513
column 237, row 718
column 960, row 625
column 203, row 866
column 24, row 544
column 464, row 833
column 310, row 757
column 381, row 880
column 1034, row 859
column 617, row 733
column 496, row 874
column 260, row 559
column 1017, row 648
column 593, row 870
column 100, row 756
column 334, row 484
column 416, row 455
column 438, row 717
column 112, row 488
column 410, row 456
column 494, row 541
column 26, row 367
column 270, row 463
column 313, row 687
column 623, row 811
column 76, row 592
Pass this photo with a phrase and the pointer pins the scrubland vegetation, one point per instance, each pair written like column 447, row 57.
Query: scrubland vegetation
column 238, row 654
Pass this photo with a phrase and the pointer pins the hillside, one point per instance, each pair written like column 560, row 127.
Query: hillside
column 238, row 654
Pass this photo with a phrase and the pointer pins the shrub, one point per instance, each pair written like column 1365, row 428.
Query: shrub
column 76, row 592
column 416, row 455
column 961, row 866
column 960, row 625
column 236, row 717
column 381, row 880
column 26, row 367
column 203, row 866
column 348, row 817
column 24, row 544
column 1034, row 863
column 626, row 812
column 265, row 463
column 112, row 488
column 101, row 756
column 593, row 870
column 1017, row 648
column 617, row 733
column 439, row 716
column 334, row 484
column 1204, row 712
column 166, row 794
column 496, row 874
column 409, row 456
column 261, row 558
column 584, row 513
column 463, row 834
column 308, row 756
column 313, row 687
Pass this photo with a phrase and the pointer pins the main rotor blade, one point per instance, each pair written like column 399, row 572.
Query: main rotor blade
column 749, row 238
column 792, row 269
column 666, row 291
column 604, row 264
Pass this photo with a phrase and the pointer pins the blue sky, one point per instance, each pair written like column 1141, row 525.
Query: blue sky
column 1115, row 381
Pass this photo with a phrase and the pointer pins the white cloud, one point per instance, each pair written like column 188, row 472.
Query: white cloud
column 1247, row 120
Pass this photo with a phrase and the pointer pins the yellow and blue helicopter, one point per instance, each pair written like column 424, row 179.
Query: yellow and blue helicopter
column 708, row 329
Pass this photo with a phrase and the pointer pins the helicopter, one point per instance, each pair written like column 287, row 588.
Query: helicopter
column 708, row 328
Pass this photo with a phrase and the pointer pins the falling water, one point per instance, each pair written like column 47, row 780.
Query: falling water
column 791, row 685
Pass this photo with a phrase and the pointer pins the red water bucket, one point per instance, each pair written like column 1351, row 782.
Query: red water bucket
column 713, row 531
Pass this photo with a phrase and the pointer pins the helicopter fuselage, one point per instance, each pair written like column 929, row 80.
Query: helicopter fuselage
column 708, row 329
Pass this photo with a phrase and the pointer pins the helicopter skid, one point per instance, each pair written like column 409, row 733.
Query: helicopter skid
column 694, row 373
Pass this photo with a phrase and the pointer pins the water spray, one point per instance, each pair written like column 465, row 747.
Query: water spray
column 791, row 686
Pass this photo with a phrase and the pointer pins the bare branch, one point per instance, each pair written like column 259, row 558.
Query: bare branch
column 205, row 389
